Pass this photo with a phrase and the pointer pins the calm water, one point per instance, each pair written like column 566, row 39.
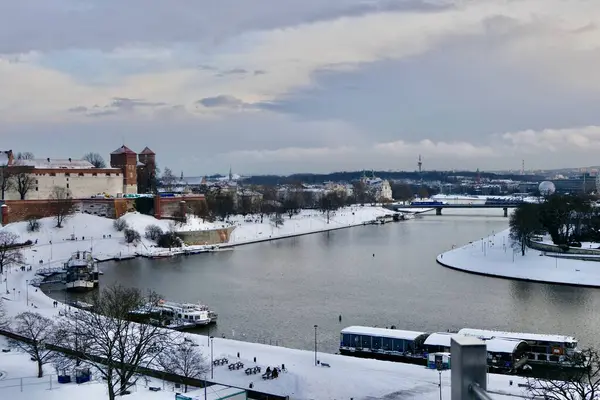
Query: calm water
column 276, row 292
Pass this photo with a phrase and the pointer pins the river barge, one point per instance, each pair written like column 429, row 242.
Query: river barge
column 508, row 352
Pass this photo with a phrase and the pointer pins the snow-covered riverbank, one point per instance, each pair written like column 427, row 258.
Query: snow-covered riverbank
column 494, row 256
column 88, row 232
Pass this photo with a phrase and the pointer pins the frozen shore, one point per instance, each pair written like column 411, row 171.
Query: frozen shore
column 494, row 256
column 84, row 232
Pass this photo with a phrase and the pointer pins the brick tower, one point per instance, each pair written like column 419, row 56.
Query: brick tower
column 126, row 159
column 146, row 173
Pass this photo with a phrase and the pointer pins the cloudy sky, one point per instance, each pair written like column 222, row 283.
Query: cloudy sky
column 282, row 86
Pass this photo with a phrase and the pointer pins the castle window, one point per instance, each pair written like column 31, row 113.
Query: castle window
column 36, row 188
column 108, row 174
column 36, row 181
column 67, row 185
column 81, row 174
column 52, row 174
column 67, row 174
column 94, row 174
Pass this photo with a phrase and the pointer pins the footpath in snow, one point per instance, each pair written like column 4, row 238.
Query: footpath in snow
column 494, row 256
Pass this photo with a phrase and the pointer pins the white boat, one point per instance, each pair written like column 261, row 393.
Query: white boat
column 82, row 272
column 182, row 315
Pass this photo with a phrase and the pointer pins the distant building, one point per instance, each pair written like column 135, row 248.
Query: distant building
column 380, row 188
column 146, row 171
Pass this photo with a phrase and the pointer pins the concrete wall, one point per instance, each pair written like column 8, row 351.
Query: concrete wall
column 109, row 208
column 550, row 248
column 81, row 184
column 214, row 236
column 170, row 206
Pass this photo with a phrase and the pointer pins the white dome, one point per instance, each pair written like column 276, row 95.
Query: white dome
column 547, row 188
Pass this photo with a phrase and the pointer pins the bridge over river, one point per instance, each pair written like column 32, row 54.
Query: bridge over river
column 439, row 207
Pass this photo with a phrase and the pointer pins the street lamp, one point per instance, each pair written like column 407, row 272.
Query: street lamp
column 3, row 164
column 211, row 358
column 27, row 291
column 316, row 326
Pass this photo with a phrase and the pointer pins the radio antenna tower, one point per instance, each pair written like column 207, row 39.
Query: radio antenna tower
column 420, row 164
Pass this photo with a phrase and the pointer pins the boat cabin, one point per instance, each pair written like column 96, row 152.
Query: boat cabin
column 506, row 353
column 380, row 340
column 545, row 349
column 438, row 342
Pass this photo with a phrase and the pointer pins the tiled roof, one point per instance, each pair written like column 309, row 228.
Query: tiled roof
column 123, row 150
column 147, row 151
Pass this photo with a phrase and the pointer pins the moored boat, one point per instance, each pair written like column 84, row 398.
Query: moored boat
column 82, row 272
column 177, row 316
column 507, row 352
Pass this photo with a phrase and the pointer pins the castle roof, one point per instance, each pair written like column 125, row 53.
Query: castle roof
column 123, row 150
column 147, row 151
column 56, row 163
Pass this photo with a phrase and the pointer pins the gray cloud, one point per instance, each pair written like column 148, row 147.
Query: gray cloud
column 106, row 24
column 79, row 109
column 221, row 101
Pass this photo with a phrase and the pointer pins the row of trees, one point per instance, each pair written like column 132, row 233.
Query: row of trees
column 568, row 219
column 106, row 340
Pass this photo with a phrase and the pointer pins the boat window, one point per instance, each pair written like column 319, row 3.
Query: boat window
column 347, row 340
column 366, row 342
column 554, row 358
column 355, row 340
column 376, row 343
column 398, row 345
column 386, row 344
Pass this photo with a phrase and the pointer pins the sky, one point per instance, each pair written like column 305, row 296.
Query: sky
column 285, row 86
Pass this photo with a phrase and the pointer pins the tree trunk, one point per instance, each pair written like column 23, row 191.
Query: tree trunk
column 523, row 246
column 40, row 369
column 111, row 391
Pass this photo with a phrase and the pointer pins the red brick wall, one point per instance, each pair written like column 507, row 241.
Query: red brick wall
column 21, row 210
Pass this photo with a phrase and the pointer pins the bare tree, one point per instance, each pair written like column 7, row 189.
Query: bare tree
column 23, row 180
column 184, row 360
column 25, row 155
column 61, row 204
column 111, row 343
column 40, row 331
column 95, row 159
column 581, row 380
column 6, row 180
column 10, row 253
column 167, row 179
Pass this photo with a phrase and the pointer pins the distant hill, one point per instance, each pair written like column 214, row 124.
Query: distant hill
column 349, row 176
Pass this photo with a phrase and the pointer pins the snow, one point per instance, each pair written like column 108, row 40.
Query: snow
column 381, row 332
column 514, row 335
column 347, row 377
column 439, row 339
column 502, row 345
column 494, row 256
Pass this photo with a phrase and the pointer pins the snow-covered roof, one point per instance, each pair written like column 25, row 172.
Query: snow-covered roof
column 3, row 158
column 502, row 345
column 56, row 163
column 123, row 150
column 439, row 339
column 484, row 333
column 382, row 332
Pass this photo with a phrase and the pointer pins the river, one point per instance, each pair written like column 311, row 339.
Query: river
column 275, row 292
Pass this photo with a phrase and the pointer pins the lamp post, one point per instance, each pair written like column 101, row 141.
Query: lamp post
column 27, row 291
column 3, row 164
column 211, row 358
column 316, row 326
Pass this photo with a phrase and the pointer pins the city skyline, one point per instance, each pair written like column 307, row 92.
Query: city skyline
column 305, row 86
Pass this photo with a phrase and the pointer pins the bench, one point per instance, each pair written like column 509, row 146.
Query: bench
column 154, row 389
column 325, row 365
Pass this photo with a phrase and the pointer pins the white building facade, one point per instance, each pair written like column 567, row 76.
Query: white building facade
column 80, row 177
